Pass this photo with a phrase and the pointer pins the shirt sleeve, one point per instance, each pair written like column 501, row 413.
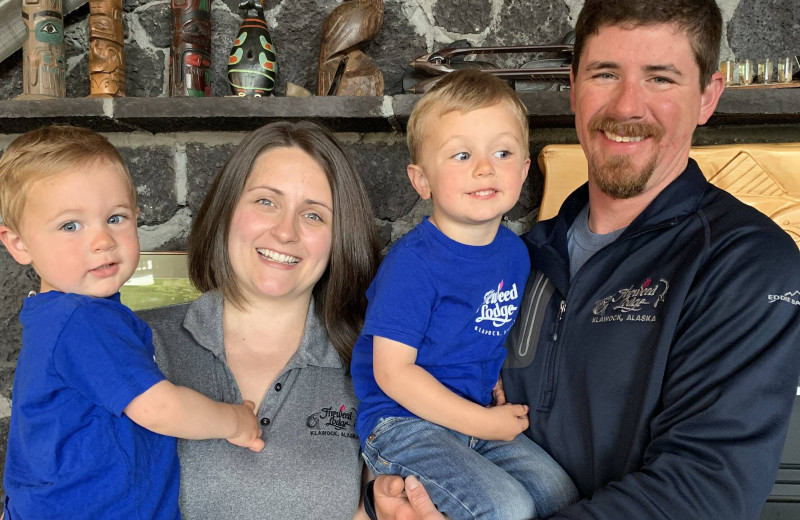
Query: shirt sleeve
column 401, row 298
column 716, row 442
column 102, row 354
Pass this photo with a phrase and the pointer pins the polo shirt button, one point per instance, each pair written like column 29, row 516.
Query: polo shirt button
column 278, row 387
column 265, row 421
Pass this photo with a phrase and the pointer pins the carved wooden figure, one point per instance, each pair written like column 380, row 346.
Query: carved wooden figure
column 190, row 55
column 106, row 54
column 252, row 65
column 44, row 68
column 344, row 70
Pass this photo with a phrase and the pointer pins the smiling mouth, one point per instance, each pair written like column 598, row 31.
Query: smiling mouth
column 105, row 270
column 280, row 258
column 622, row 138
column 483, row 193
column 625, row 131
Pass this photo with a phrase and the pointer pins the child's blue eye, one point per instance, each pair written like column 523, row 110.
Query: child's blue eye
column 461, row 156
column 70, row 227
column 116, row 219
column 502, row 154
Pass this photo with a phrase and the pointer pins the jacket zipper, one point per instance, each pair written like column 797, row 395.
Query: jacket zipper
column 550, row 367
column 546, row 399
column 561, row 310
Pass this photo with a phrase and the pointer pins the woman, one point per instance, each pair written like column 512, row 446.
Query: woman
column 283, row 249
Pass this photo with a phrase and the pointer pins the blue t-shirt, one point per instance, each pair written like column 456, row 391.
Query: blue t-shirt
column 454, row 303
column 72, row 453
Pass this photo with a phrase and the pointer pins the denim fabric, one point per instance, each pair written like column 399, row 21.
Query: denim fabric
column 470, row 478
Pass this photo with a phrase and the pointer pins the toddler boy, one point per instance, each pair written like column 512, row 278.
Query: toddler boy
column 439, row 311
column 93, row 420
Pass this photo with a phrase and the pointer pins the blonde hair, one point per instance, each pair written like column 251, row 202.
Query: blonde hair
column 44, row 152
column 463, row 90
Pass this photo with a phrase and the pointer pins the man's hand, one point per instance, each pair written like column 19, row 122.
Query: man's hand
column 420, row 501
column 398, row 500
column 498, row 393
column 248, row 433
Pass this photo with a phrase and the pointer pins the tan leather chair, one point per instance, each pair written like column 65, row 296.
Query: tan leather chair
column 766, row 176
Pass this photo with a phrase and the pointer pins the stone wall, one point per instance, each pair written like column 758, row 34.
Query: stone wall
column 173, row 170
column 753, row 28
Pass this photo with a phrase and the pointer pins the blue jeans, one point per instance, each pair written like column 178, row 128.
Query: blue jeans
column 470, row 478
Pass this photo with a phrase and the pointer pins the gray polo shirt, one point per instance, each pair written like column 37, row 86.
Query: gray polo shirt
column 310, row 466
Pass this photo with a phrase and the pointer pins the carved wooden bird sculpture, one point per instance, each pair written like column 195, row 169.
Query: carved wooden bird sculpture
column 343, row 69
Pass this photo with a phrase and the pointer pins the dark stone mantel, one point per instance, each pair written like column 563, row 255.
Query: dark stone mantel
column 341, row 114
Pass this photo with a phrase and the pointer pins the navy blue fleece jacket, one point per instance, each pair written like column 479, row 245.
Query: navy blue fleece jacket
column 662, row 376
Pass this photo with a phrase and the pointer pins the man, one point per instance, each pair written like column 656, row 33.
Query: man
column 653, row 348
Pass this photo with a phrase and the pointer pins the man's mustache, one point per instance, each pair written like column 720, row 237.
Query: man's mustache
column 627, row 129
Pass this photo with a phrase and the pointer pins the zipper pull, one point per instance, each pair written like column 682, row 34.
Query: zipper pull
column 561, row 310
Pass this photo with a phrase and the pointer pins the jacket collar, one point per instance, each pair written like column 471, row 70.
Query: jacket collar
column 547, row 240
column 204, row 322
column 679, row 199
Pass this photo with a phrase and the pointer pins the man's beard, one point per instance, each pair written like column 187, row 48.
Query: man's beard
column 616, row 176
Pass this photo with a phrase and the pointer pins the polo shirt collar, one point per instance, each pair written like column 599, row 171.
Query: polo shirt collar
column 204, row 323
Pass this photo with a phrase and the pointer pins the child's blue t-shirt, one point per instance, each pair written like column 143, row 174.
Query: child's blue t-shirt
column 453, row 302
column 72, row 453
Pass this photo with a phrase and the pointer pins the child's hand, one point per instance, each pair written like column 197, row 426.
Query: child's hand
column 505, row 422
column 248, row 432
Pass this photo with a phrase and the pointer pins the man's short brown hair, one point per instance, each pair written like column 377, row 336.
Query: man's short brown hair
column 47, row 151
column 701, row 20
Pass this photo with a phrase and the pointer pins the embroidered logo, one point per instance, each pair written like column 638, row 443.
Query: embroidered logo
column 333, row 421
column 631, row 303
column 498, row 309
column 792, row 298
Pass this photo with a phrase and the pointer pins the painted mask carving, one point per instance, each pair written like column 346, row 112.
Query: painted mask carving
column 252, row 65
column 190, row 56
column 44, row 67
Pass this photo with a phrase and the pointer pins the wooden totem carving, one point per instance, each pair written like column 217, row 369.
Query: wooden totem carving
column 344, row 70
column 190, row 55
column 252, row 64
column 44, row 69
column 106, row 54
